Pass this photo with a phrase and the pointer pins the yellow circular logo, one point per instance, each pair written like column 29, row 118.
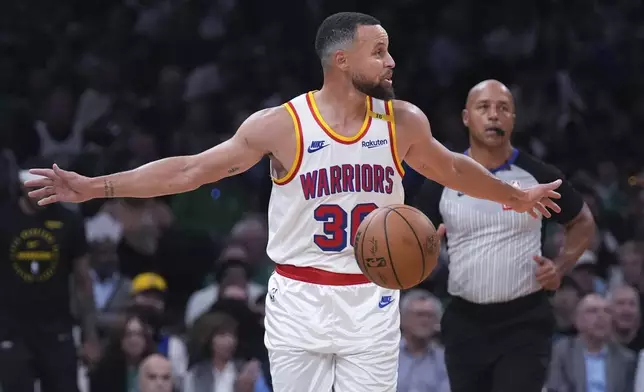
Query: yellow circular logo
column 34, row 255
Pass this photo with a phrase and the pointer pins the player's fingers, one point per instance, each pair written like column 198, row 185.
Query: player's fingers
column 539, row 259
column 554, row 185
column 533, row 213
column 551, row 205
column 543, row 210
column 49, row 173
column 42, row 192
column 553, row 195
column 48, row 200
column 38, row 183
column 60, row 172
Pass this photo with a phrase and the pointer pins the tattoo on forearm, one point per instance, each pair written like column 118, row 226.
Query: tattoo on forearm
column 109, row 188
column 233, row 170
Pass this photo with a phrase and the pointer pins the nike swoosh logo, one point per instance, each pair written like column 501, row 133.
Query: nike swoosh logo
column 314, row 149
column 383, row 304
column 459, row 194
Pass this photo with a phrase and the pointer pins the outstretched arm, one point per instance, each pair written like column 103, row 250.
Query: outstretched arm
column 459, row 172
column 165, row 176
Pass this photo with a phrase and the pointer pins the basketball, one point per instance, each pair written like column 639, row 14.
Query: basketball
column 397, row 246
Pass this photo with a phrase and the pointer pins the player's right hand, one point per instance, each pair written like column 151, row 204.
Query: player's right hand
column 58, row 185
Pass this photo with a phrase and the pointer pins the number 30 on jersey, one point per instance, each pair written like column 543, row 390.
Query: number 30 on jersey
column 336, row 220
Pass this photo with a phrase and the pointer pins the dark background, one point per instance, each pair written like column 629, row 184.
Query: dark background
column 120, row 83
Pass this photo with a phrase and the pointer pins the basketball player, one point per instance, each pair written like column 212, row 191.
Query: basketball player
column 336, row 155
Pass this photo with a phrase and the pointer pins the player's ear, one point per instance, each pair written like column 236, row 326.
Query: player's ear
column 342, row 60
column 465, row 115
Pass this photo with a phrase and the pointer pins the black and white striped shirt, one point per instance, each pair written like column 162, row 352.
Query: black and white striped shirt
column 490, row 247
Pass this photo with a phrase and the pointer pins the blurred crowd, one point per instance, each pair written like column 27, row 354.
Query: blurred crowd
column 105, row 86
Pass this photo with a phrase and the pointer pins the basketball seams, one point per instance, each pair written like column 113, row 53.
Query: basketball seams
column 420, row 246
column 391, row 262
column 360, row 260
column 412, row 209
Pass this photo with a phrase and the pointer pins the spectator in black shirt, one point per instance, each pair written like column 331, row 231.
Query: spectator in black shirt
column 40, row 249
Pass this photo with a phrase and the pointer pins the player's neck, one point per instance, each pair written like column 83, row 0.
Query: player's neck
column 490, row 157
column 347, row 102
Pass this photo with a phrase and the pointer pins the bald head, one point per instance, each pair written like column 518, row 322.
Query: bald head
column 490, row 85
column 489, row 114
column 155, row 374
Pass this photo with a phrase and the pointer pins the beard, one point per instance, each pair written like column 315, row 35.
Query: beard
column 374, row 90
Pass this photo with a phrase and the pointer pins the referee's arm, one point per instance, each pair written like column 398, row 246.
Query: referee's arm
column 575, row 215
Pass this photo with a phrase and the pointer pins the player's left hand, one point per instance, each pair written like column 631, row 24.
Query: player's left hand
column 547, row 273
column 539, row 199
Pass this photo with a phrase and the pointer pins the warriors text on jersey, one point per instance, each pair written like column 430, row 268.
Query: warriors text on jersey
column 334, row 182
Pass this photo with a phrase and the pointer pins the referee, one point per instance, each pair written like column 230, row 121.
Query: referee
column 498, row 326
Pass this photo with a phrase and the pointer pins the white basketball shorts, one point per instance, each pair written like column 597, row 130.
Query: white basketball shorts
column 332, row 338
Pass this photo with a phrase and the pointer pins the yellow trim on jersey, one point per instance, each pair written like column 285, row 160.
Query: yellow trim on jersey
column 295, row 166
column 334, row 134
column 394, row 139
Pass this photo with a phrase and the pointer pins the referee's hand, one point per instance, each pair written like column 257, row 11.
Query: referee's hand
column 547, row 273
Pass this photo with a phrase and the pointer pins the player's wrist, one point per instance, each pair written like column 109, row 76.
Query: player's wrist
column 98, row 187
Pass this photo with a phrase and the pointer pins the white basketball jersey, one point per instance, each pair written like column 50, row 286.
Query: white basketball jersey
column 334, row 182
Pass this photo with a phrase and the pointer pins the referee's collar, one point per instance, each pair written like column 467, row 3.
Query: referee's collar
column 507, row 165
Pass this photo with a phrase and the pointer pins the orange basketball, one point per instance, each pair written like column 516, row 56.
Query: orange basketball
column 396, row 246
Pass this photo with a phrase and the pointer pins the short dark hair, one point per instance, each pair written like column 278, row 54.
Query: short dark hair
column 339, row 29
